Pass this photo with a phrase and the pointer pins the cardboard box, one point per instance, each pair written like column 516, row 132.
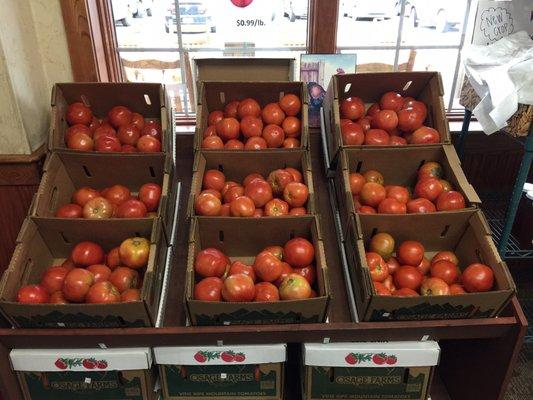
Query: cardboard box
column 399, row 166
column 242, row 239
column 370, row 371
column 237, row 165
column 148, row 99
column 213, row 95
column 225, row 372
column 49, row 243
column 90, row 374
column 64, row 173
column 467, row 234
column 423, row 86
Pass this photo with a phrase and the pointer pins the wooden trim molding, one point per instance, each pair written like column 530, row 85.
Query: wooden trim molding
column 322, row 26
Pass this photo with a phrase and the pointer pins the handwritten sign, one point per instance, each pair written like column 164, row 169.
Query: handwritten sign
column 496, row 23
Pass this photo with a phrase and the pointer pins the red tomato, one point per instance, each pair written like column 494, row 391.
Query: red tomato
column 213, row 179
column 232, row 193
column 57, row 298
column 249, row 178
column 267, row 266
column 389, row 283
column 451, row 200
column 68, row 264
column 104, row 130
column 290, row 104
column 124, row 278
column 211, row 262
column 291, row 143
column 214, row 117
column 251, row 126
column 424, row 266
column 238, row 288
column 148, row 144
column 410, row 252
column 225, row 210
column 69, row 211
column 53, row 277
column 377, row 137
column 33, row 294
column 298, row 252
column 430, row 169
column 409, row 277
column 101, row 272
column 97, row 208
column 352, row 134
column 477, row 278
column 279, row 179
column 212, row 142
column 365, row 123
column 420, row 206
column 385, row 119
column 273, row 114
column 356, row 182
column 383, row 244
column 445, row 255
column 150, row 194
column 248, row 107
column 258, row 212
column 266, row 292
column 344, row 121
column 276, row 208
column 286, row 270
column 410, row 119
column 405, row 292
column 296, row 194
column 397, row 141
column 207, row 204
column 367, row 210
column 294, row 287
column 152, row 128
column 210, row 131
column 399, row 193
column 393, row 265
column 275, row 250
column 352, row 108
column 455, row 288
column 372, row 194
column 373, row 110
column 95, row 123
column 242, row 206
column 391, row 101
column 129, row 134
column 78, row 128
column 117, row 194
column 80, row 141
column 381, row 289
column 412, row 103
column 273, row 135
column 102, row 292
column 291, row 126
column 77, row 284
column 227, row 185
column 228, row 128
column 131, row 208
column 373, row 176
column 87, row 253
column 119, row 116
column 209, row 289
column 379, row 270
column 137, row 120
column 130, row 295
column 255, row 143
column 429, row 188
column 424, row 135
column 230, row 109
column 445, row 270
column 434, row 287
column 134, row 252
column 391, row 206
column 446, row 186
column 298, row 211
column 78, row 113
column 83, row 195
column 238, row 267
column 108, row 144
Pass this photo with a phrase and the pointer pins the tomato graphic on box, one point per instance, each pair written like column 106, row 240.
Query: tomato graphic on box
column 241, row 3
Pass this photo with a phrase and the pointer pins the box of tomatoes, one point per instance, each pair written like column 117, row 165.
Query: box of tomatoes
column 129, row 118
column 241, row 184
column 85, row 278
column 417, row 267
column 384, row 109
column 268, row 271
column 248, row 116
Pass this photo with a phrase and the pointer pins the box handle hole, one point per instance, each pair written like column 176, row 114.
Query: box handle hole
column 406, row 86
column 406, row 375
column 445, row 231
column 331, row 375
column 65, row 239
column 152, row 172
column 220, row 167
column 359, row 166
column 221, row 236
column 53, row 199
column 374, row 231
column 420, row 165
column 87, row 172
column 147, row 100
column 137, row 234
column 347, row 87
column 291, row 235
column 85, row 100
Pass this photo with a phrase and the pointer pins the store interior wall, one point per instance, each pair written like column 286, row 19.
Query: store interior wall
column 33, row 56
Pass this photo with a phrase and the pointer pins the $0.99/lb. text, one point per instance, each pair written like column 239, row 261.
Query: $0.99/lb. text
column 250, row 22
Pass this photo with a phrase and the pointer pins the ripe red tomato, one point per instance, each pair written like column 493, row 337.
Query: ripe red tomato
column 266, row 292
column 104, row 130
column 391, row 101
column 131, row 208
column 238, row 267
column 352, row 108
column 410, row 119
column 214, row 117
column 372, row 194
column 420, row 206
column 207, row 204
column 57, row 298
column 383, row 244
column 309, row 273
column 399, row 193
column 80, row 141
column 108, row 144
column 290, row 104
column 209, row 289
column 377, row 137
column 68, row 264
column 101, row 272
column 33, row 294
column 148, row 144
column 225, row 210
column 102, row 292
column 367, row 210
column 211, row 262
column 129, row 134
column 429, row 188
column 87, row 253
column 298, row 211
column 275, row 250
column 379, row 270
column 430, row 169
column 124, row 278
column 130, row 295
column 291, row 126
column 434, row 287
column 78, row 113
column 273, row 114
column 251, row 126
column 397, row 141
column 374, row 176
column 424, row 266
column 152, row 128
column 255, row 143
column 405, row 292
column 286, row 270
column 248, row 107
column 97, row 208
column 296, row 194
column 238, row 288
column 446, row 186
column 291, row 143
column 77, row 284
column 356, row 182
column 95, row 123
column 409, row 277
column 451, row 200
column 53, row 278
column 425, row 134
column 445, row 270
column 344, row 121
column 456, row 288
column 385, row 119
column 410, row 252
column 228, row 128
column 137, row 120
column 267, row 266
column 227, row 185
column 232, row 193
column 258, row 212
column 119, row 116
column 365, row 123
column 210, row 131
column 393, row 265
column 477, row 278
column 273, row 135
column 242, row 206
column 213, row 179
column 298, row 252
column 373, row 110
column 150, row 194
column 117, row 194
column 391, row 206
column 69, row 211
column 212, row 142
column 230, row 109
column 412, row 103
column 352, row 134
column 294, row 287
column 134, row 252
column 276, row 208
column 249, row 178
column 278, row 180
column 78, row 128
column 445, row 255
column 381, row 289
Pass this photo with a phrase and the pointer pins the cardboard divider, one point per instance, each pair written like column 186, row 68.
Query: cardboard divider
column 214, row 95
column 148, row 99
column 237, row 165
column 41, row 244
column 466, row 234
column 424, row 86
column 64, row 173
column 243, row 239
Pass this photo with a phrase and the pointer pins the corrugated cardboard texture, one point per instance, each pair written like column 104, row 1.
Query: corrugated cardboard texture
column 467, row 235
column 234, row 69
column 237, row 165
column 242, row 240
column 423, row 86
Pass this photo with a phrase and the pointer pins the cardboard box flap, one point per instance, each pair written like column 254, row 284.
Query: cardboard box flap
column 57, row 360
column 234, row 69
column 221, row 355
column 372, row 354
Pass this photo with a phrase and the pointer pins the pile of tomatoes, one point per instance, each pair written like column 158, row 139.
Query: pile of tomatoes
column 243, row 125
column 121, row 131
column 395, row 120
column 431, row 193
column 91, row 276
column 410, row 273
column 277, row 273
column 116, row 201
column 282, row 193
